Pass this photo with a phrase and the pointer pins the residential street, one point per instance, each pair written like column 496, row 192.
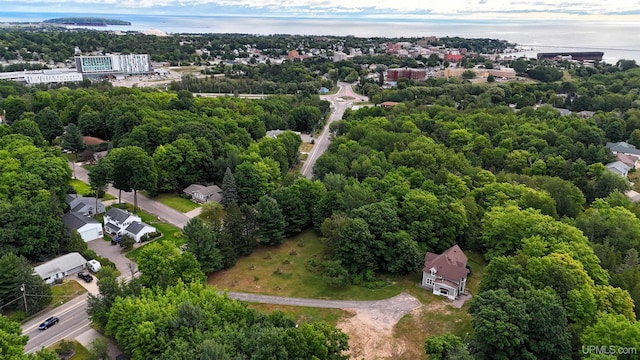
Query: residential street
column 344, row 98
column 163, row 212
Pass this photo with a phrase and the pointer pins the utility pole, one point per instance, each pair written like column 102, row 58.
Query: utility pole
column 23, row 288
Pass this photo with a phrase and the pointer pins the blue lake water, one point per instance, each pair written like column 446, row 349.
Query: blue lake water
column 618, row 40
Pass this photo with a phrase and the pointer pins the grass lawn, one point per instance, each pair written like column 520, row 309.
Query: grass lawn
column 175, row 202
column 304, row 314
column 306, row 147
column 81, row 187
column 277, row 271
column 64, row 292
column 81, row 353
column 634, row 177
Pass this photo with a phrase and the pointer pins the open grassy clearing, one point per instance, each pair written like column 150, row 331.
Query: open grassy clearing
column 81, row 353
column 63, row 293
column 281, row 270
column 175, row 202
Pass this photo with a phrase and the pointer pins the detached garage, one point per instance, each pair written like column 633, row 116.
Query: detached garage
column 88, row 228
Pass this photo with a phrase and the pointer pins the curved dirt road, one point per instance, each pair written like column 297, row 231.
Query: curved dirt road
column 388, row 311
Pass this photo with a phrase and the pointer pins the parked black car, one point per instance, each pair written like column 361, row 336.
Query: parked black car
column 85, row 276
column 48, row 323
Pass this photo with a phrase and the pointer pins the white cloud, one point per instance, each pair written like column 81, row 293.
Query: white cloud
column 451, row 7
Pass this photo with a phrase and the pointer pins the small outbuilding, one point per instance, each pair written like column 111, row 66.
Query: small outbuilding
column 88, row 228
column 56, row 269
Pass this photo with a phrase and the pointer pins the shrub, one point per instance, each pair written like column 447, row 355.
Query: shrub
column 127, row 242
column 335, row 274
column 65, row 348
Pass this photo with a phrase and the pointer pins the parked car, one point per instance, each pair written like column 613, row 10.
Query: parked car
column 85, row 276
column 116, row 240
column 48, row 323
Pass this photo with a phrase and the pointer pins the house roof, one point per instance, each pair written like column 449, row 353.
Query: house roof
column 451, row 264
column 74, row 220
column 204, row 190
column 60, row 264
column 623, row 147
column 118, row 215
column 113, row 226
column 629, row 160
column 618, row 167
column 136, row 227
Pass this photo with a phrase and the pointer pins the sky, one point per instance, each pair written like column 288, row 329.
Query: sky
column 474, row 9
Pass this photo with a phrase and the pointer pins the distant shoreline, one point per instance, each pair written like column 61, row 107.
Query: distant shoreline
column 87, row 21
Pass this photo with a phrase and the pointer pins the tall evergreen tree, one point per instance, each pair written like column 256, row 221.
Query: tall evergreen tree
column 250, row 230
column 201, row 241
column 228, row 236
column 229, row 192
column 72, row 139
column 270, row 220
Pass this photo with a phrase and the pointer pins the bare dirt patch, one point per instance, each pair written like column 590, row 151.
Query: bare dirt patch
column 370, row 338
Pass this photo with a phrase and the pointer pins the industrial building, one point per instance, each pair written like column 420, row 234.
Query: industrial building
column 114, row 64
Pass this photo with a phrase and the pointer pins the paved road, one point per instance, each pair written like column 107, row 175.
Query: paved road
column 73, row 322
column 165, row 213
column 344, row 98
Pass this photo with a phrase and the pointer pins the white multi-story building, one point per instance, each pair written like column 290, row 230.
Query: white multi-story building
column 114, row 64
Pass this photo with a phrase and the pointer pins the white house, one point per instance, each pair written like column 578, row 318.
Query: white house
column 116, row 220
column 60, row 267
column 136, row 230
column 446, row 274
column 88, row 228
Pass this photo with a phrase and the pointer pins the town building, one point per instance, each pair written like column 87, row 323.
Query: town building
column 406, row 73
column 446, row 274
column 114, row 64
column 123, row 223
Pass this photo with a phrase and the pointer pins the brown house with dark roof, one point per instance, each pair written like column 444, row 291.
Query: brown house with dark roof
column 446, row 274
